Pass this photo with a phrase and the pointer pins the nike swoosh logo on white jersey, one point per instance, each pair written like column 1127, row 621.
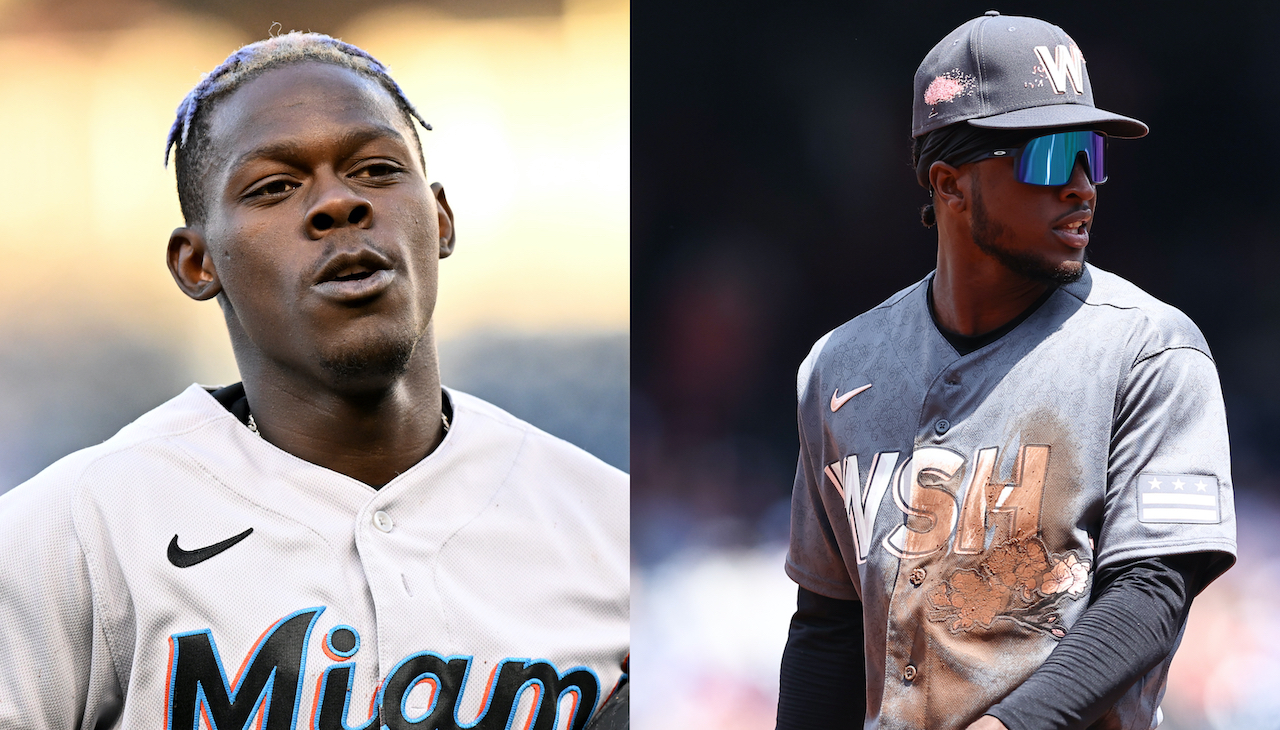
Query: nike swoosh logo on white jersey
column 836, row 403
column 187, row 558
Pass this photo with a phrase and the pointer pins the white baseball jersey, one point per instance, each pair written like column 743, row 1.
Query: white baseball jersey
column 188, row 574
column 967, row 501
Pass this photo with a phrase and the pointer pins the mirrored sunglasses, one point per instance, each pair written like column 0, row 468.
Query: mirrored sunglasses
column 1049, row 160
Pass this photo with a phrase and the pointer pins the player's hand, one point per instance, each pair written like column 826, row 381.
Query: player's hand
column 987, row 722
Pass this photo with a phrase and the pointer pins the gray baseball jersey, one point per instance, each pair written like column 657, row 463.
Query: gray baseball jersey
column 967, row 501
column 188, row 574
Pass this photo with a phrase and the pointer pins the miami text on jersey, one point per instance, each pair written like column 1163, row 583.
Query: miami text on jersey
column 269, row 686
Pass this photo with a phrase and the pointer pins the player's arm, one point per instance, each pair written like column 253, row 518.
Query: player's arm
column 823, row 683
column 55, row 668
column 1130, row 627
column 1169, row 420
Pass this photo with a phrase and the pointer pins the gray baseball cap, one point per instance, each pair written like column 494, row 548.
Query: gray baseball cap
column 1009, row 72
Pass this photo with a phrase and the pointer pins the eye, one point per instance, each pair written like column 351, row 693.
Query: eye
column 272, row 188
column 378, row 170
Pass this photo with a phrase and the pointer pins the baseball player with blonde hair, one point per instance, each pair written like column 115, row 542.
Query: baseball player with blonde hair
column 338, row 541
column 1014, row 474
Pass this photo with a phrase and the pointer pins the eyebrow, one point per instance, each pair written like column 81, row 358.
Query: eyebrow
column 290, row 149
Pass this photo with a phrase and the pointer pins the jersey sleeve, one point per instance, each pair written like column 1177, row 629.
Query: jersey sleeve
column 1169, row 488
column 814, row 560
column 55, row 668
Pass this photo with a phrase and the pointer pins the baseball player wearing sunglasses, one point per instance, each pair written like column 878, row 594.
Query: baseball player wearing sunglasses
column 1014, row 474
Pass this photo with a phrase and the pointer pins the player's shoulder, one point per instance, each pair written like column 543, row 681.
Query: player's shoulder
column 1150, row 324
column 881, row 321
column 540, row 455
column 544, row 473
column 53, row 492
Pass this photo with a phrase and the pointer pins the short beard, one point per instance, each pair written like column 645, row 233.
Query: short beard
column 987, row 232
column 383, row 362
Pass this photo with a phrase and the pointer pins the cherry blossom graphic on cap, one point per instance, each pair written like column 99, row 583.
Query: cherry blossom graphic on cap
column 948, row 86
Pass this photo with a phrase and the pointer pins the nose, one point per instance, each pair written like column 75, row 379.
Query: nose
column 1079, row 185
column 337, row 206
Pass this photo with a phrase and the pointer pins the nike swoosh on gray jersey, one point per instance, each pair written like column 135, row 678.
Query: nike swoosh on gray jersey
column 837, row 403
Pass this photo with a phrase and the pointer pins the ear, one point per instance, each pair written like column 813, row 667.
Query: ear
column 446, row 220
column 192, row 265
column 950, row 187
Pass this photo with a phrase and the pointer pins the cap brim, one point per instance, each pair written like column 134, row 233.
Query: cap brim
column 1065, row 115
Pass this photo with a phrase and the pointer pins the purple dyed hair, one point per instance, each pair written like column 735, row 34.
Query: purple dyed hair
column 248, row 63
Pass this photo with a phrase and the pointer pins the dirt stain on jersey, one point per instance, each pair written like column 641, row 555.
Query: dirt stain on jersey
column 1017, row 580
column 1019, row 577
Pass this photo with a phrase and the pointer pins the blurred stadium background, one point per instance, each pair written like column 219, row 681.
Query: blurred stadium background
column 530, row 101
column 773, row 201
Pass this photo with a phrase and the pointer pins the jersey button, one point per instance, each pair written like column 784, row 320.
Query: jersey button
column 382, row 521
column 942, row 426
column 917, row 576
column 909, row 673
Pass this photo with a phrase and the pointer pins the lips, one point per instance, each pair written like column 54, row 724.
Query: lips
column 354, row 275
column 1073, row 228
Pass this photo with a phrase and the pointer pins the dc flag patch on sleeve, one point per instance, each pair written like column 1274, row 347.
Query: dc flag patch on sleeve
column 1178, row 498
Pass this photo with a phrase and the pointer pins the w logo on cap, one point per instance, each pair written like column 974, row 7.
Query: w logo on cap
column 1067, row 63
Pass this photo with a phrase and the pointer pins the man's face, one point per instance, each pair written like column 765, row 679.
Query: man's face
column 322, row 229
column 1037, row 231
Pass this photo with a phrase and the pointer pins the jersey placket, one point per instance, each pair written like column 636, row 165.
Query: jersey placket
column 937, row 453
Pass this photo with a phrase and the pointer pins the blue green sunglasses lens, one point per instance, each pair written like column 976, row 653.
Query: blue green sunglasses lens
column 1049, row 160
